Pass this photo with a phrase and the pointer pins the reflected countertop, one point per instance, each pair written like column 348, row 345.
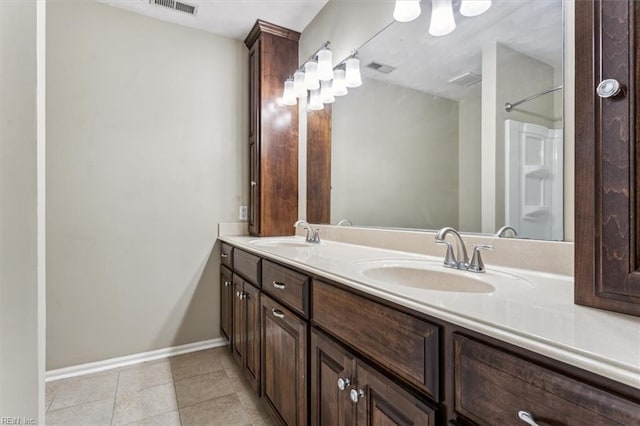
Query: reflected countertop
column 540, row 317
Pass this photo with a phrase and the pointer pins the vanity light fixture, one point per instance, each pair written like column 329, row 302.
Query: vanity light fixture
column 339, row 85
column 442, row 22
column 298, row 84
column 315, row 102
column 474, row 7
column 326, row 93
column 325, row 66
column 352, row 73
column 311, row 81
column 406, row 10
column 289, row 95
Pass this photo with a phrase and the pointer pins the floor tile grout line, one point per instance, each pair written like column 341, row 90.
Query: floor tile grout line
column 115, row 396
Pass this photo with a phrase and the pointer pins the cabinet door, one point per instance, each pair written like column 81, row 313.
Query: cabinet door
column 382, row 402
column 284, row 368
column 254, row 187
column 238, row 329
column 226, row 301
column 332, row 373
column 251, row 302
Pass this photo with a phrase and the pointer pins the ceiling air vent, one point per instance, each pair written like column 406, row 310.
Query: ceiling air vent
column 467, row 79
column 384, row 69
column 176, row 5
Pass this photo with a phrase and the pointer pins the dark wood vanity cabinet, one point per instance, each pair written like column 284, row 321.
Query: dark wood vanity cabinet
column 226, row 301
column 273, row 147
column 607, row 257
column 245, row 341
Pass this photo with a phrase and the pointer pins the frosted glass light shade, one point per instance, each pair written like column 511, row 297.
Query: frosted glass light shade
column 326, row 93
column 474, row 7
column 352, row 74
column 311, row 81
column 442, row 22
column 325, row 66
column 315, row 103
column 299, row 88
column 289, row 96
column 406, row 10
column 339, row 85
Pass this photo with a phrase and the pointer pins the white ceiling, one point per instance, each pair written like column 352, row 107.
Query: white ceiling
column 230, row 18
column 427, row 63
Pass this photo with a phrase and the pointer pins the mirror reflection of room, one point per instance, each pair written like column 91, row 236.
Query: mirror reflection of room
column 429, row 141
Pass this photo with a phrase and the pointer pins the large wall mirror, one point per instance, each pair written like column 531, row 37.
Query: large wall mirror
column 427, row 141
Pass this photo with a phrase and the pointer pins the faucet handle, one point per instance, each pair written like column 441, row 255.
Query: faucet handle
column 449, row 258
column 477, row 265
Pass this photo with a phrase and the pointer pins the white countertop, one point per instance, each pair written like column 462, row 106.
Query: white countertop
column 538, row 315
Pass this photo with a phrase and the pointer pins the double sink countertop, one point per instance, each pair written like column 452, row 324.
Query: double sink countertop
column 530, row 309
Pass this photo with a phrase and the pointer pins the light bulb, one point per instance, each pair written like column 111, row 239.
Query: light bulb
column 406, row 10
column 299, row 88
column 326, row 93
column 325, row 67
column 339, row 85
column 289, row 96
column 442, row 21
column 315, row 103
column 352, row 74
column 311, row 81
column 474, row 7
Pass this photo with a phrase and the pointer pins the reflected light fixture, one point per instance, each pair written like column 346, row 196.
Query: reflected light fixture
column 325, row 66
column 289, row 95
column 406, row 10
column 442, row 22
column 299, row 88
column 352, row 73
column 311, row 81
column 315, row 103
column 339, row 85
column 326, row 93
column 474, row 7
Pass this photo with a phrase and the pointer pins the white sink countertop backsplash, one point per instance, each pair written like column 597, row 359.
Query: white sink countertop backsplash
column 539, row 316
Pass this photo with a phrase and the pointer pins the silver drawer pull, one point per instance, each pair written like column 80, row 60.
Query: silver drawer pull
column 224, row 255
column 277, row 313
column 227, row 283
column 526, row 417
column 278, row 285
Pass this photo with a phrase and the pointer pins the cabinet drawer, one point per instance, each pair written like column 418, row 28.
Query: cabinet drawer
column 492, row 386
column 226, row 255
column 247, row 265
column 403, row 344
column 287, row 286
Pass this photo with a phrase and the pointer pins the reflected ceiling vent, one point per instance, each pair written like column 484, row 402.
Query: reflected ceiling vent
column 384, row 69
column 176, row 5
column 467, row 79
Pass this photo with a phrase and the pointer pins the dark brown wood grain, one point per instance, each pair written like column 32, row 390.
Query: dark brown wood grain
column 319, row 165
column 492, row 386
column 330, row 362
column 226, row 301
column 405, row 345
column 294, row 295
column 238, row 338
column 273, row 131
column 248, row 266
column 607, row 274
column 284, row 362
column 386, row 403
column 252, row 363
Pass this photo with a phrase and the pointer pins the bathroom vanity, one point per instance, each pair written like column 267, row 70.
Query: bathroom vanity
column 340, row 344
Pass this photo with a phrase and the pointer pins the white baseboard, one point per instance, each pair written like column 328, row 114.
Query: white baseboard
column 123, row 361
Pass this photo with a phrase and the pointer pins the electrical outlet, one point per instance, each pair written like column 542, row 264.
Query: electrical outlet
column 243, row 213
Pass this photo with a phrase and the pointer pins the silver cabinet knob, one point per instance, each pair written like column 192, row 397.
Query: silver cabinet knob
column 608, row 88
column 237, row 294
column 224, row 255
column 343, row 383
column 253, row 183
column 527, row 417
column 355, row 395
column 227, row 283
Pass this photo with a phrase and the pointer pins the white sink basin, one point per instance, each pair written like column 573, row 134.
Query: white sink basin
column 429, row 275
column 280, row 242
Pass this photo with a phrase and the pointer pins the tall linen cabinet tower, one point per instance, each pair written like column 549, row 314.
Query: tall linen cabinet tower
column 273, row 131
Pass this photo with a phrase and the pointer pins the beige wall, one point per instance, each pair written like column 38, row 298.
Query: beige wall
column 21, row 287
column 394, row 158
column 469, row 143
column 146, row 155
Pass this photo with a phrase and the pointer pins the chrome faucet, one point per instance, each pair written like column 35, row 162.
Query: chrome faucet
column 461, row 260
column 344, row 222
column 507, row 231
column 313, row 235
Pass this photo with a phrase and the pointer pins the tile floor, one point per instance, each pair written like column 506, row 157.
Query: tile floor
column 203, row 388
